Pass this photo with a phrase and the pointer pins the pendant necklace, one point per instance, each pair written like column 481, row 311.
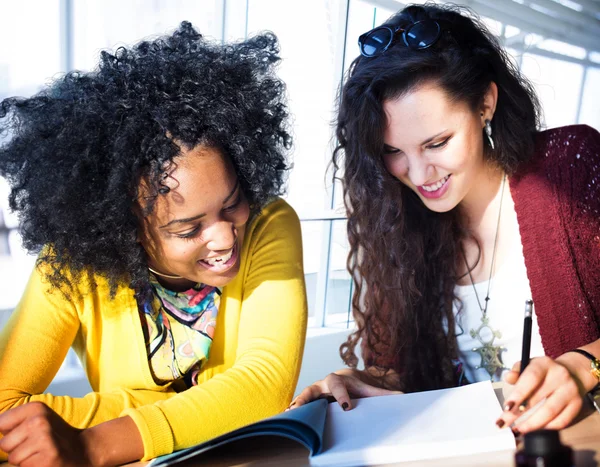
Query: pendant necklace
column 491, row 355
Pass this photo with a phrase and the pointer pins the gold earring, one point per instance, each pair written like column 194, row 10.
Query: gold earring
column 168, row 276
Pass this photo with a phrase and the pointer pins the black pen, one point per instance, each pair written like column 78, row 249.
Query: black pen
column 526, row 342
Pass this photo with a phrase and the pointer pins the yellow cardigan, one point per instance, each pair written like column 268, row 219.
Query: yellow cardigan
column 251, row 373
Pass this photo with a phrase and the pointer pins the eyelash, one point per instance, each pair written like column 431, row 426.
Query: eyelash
column 189, row 235
column 432, row 146
column 234, row 206
column 192, row 234
column 439, row 145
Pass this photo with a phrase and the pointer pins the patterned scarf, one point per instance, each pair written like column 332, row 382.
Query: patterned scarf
column 180, row 328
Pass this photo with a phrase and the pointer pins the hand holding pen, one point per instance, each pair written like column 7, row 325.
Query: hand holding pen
column 545, row 393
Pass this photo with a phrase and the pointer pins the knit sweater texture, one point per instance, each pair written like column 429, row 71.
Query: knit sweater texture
column 557, row 200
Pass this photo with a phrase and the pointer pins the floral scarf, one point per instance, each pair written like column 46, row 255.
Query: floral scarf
column 179, row 330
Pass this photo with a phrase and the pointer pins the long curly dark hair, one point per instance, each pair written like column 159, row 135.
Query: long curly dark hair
column 404, row 257
column 75, row 153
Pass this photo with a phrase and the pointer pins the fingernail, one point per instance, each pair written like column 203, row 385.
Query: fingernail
column 509, row 405
column 345, row 406
column 499, row 423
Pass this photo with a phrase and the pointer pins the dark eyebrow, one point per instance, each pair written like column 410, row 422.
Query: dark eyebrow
column 191, row 219
column 237, row 184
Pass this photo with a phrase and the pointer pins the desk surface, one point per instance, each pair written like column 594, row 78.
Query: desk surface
column 583, row 437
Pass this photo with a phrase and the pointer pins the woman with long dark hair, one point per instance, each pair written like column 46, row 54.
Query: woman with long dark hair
column 167, row 261
column 459, row 211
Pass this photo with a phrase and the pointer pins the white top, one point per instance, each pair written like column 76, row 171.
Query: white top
column 508, row 292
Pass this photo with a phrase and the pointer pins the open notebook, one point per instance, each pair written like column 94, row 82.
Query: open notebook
column 385, row 429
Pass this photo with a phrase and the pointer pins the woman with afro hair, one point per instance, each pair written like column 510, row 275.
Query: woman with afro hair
column 149, row 189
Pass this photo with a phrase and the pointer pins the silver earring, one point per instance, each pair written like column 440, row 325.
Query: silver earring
column 488, row 132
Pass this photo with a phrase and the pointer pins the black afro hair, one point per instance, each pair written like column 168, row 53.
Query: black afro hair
column 74, row 153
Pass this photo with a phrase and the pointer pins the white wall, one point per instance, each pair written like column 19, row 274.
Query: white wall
column 321, row 355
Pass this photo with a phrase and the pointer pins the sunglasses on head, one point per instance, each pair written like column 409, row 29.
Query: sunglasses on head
column 419, row 35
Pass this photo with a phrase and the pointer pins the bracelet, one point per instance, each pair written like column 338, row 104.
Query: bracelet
column 594, row 364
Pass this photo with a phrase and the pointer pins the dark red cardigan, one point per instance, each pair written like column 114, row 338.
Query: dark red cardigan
column 557, row 200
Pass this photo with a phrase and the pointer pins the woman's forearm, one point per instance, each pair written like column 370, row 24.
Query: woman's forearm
column 114, row 442
column 579, row 366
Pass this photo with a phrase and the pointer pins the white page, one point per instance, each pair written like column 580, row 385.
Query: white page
column 408, row 427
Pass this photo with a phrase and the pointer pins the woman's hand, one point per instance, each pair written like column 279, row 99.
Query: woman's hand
column 342, row 386
column 555, row 382
column 36, row 436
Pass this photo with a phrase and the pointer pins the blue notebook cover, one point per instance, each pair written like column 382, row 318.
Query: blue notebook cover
column 305, row 425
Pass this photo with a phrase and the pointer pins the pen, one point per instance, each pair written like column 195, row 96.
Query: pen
column 526, row 342
column 592, row 399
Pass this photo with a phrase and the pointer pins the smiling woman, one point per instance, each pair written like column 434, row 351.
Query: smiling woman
column 195, row 230
column 460, row 211
column 437, row 149
column 166, row 259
